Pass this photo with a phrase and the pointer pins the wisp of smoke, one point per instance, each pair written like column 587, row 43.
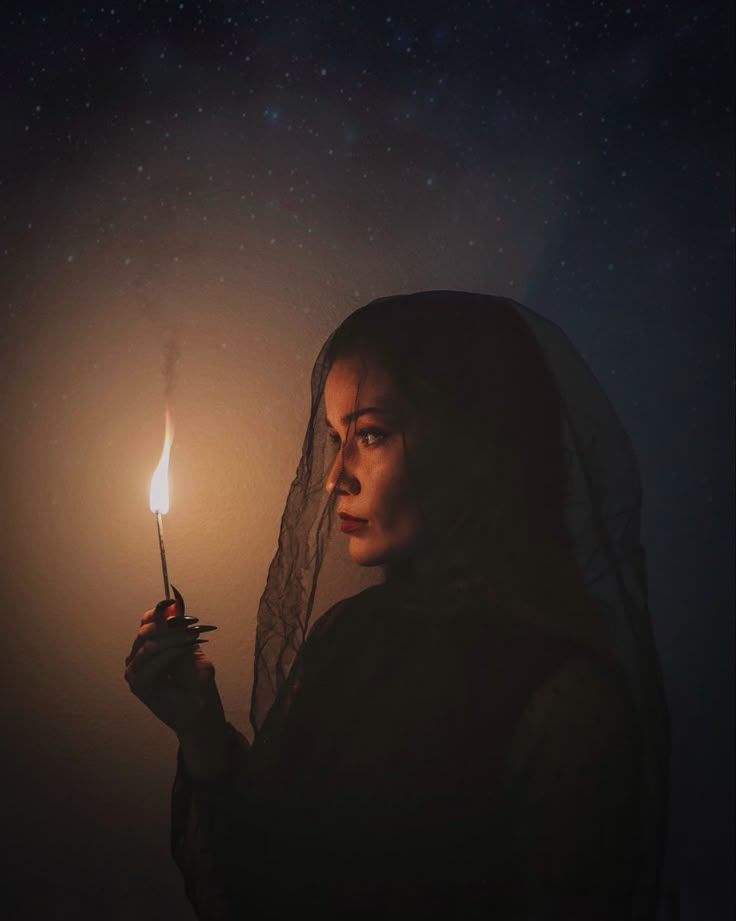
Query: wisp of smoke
column 172, row 353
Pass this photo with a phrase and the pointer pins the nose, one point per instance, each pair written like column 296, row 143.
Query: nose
column 340, row 477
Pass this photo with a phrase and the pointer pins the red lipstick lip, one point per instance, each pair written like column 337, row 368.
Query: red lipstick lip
column 349, row 523
column 352, row 524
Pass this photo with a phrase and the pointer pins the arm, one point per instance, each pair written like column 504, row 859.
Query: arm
column 168, row 671
column 221, row 816
column 572, row 787
column 206, row 823
column 226, row 836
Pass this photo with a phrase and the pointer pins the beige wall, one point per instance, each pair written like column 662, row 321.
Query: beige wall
column 100, row 285
column 88, row 317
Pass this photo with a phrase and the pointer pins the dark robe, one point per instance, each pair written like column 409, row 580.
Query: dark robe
column 376, row 786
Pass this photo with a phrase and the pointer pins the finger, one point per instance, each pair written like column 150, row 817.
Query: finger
column 164, row 608
column 148, row 676
column 153, row 648
column 185, row 621
column 159, row 640
column 157, row 612
column 173, row 627
column 143, row 634
column 155, row 631
column 164, row 640
column 146, row 632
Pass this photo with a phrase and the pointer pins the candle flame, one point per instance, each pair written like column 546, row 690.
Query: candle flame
column 160, row 478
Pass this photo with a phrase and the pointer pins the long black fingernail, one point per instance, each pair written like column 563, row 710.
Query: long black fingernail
column 162, row 605
column 185, row 621
column 178, row 597
column 205, row 628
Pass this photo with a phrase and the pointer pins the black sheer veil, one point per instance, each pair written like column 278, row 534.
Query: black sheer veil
column 518, row 373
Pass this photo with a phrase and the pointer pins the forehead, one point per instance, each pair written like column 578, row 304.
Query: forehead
column 354, row 382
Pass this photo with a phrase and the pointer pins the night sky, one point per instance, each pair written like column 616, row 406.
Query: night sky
column 219, row 184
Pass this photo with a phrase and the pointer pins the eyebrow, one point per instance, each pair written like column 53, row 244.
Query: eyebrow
column 351, row 417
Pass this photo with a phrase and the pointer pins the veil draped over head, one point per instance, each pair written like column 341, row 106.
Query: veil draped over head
column 530, row 495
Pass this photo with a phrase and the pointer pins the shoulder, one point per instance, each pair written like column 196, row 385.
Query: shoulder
column 346, row 609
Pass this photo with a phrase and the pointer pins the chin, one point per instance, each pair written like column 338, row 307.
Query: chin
column 365, row 557
column 362, row 553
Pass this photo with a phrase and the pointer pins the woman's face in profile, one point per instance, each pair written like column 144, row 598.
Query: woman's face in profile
column 368, row 426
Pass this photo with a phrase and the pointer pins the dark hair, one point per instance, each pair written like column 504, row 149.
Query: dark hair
column 491, row 484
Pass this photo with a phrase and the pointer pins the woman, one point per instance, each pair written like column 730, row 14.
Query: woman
column 481, row 733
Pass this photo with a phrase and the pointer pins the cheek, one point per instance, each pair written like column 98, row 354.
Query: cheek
column 393, row 497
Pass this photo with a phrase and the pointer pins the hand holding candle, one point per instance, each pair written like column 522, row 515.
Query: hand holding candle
column 169, row 672
column 167, row 668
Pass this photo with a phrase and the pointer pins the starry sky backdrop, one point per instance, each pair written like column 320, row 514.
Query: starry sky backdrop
column 211, row 187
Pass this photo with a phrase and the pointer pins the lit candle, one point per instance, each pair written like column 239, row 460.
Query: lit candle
column 159, row 503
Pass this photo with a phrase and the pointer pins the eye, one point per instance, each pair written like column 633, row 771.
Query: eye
column 371, row 437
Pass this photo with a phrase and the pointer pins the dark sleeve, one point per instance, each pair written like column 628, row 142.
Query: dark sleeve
column 230, row 837
column 224, row 832
column 206, row 842
column 572, row 787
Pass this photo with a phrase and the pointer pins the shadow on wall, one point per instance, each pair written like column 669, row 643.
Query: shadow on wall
column 41, row 898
